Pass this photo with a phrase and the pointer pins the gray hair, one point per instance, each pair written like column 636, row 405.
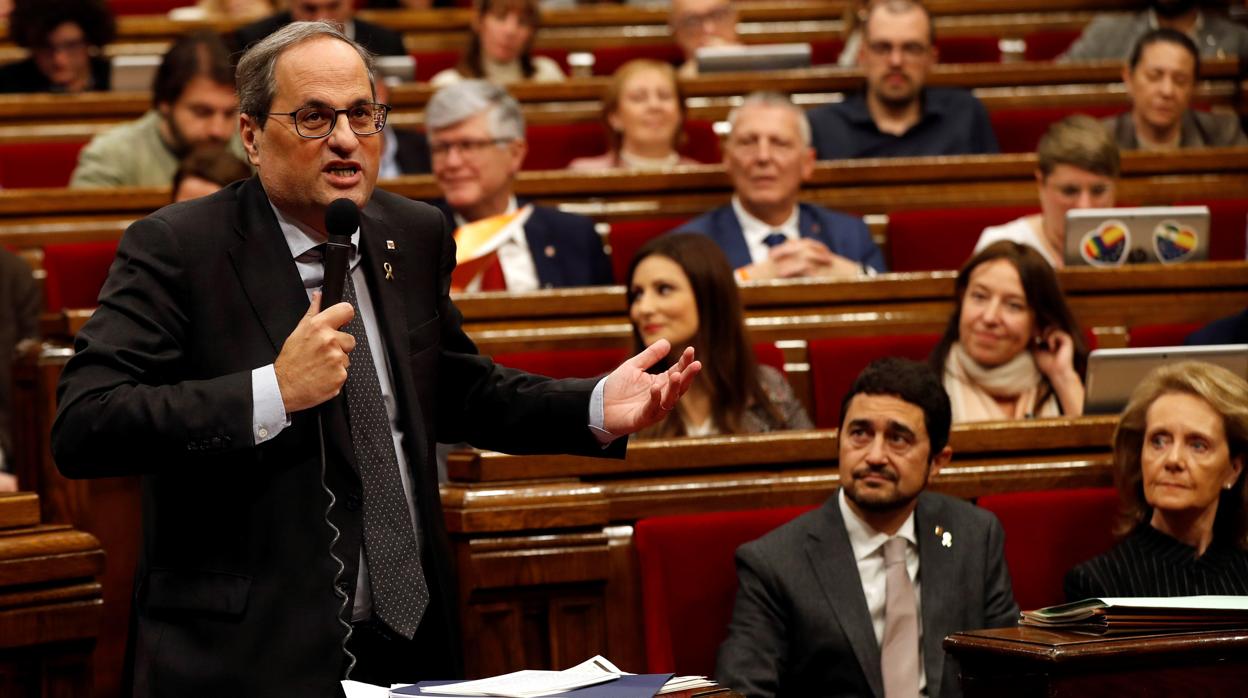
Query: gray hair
column 773, row 99
column 468, row 98
column 256, row 78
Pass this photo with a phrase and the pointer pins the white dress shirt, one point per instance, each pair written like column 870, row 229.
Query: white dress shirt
column 755, row 230
column 519, row 270
column 868, row 546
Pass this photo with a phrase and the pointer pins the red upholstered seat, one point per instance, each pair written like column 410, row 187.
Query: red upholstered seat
column 75, row 273
column 689, row 582
column 1049, row 532
column 430, row 63
column 45, row 164
column 1161, row 335
column 835, row 363
column 574, row 363
column 969, row 49
column 553, row 146
column 701, row 142
column 826, row 51
column 1019, row 130
column 608, row 59
column 1228, row 226
column 768, row 354
column 146, row 7
column 937, row 239
column 1047, row 45
column 626, row 237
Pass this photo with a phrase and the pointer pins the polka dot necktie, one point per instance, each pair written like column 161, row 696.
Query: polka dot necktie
column 400, row 594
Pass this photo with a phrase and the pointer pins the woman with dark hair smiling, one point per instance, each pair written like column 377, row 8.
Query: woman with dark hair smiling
column 681, row 288
column 1179, row 453
column 500, row 47
column 1012, row 349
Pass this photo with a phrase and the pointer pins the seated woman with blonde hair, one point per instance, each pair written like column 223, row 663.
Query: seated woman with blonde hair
column 681, row 288
column 643, row 111
column 1012, row 349
column 1179, row 453
column 500, row 47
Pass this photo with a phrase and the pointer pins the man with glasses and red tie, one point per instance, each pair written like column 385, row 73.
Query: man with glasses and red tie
column 898, row 115
column 292, row 528
column 854, row 598
column 477, row 145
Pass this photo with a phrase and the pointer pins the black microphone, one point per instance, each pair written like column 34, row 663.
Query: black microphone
column 342, row 218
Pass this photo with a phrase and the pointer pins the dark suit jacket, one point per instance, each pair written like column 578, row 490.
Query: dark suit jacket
column 237, row 593
column 566, row 249
column 801, row 626
column 412, row 155
column 378, row 39
column 20, row 305
column 847, row 236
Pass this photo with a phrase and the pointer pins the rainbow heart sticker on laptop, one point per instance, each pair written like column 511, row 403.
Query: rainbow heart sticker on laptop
column 1173, row 241
column 1106, row 245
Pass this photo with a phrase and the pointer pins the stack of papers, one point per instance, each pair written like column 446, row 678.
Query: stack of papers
column 593, row 678
column 1138, row 615
column 685, row 683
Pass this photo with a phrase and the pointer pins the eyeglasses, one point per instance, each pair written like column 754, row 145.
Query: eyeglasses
column 911, row 50
column 466, row 148
column 365, row 119
column 69, row 46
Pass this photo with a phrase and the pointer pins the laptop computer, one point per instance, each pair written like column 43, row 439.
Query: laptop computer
column 133, row 73
column 1114, row 373
column 733, row 59
column 1110, row 237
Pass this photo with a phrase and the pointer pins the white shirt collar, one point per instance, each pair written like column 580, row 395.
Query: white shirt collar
column 755, row 230
column 300, row 238
column 867, row 541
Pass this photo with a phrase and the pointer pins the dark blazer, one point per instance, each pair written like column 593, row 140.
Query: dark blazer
column 566, row 249
column 20, row 305
column 378, row 39
column 1197, row 129
column 801, row 626
column 25, row 76
column 845, row 235
column 237, row 592
column 1228, row 330
column 412, row 154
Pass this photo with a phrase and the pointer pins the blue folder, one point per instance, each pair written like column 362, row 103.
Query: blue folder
column 631, row 686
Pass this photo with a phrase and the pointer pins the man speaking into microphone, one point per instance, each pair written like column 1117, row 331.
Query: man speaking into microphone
column 292, row 531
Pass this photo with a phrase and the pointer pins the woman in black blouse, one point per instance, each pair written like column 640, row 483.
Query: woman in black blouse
column 1179, row 454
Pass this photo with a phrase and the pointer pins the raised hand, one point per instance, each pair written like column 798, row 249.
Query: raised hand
column 312, row 365
column 634, row 399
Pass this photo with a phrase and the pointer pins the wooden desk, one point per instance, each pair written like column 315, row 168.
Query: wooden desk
column 50, row 603
column 1032, row 662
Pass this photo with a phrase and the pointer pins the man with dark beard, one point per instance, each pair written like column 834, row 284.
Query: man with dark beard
column 193, row 104
column 897, row 115
column 855, row 597
column 1112, row 36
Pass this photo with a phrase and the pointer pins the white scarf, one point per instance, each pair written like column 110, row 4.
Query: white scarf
column 975, row 391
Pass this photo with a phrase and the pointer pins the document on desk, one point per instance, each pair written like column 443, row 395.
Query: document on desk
column 529, row 683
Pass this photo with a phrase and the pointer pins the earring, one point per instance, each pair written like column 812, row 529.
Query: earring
column 1228, row 485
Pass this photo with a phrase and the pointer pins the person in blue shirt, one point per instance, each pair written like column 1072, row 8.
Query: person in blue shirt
column 898, row 115
column 765, row 232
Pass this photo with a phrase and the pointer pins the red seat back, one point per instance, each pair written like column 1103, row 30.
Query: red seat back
column 626, row 237
column 1019, row 130
column 1047, row 45
column 969, row 49
column 701, row 142
column 689, row 582
column 553, row 146
column 768, row 354
column 46, row 164
column 938, row 239
column 608, row 59
column 76, row 273
column 1049, row 532
column 826, row 51
column 1228, row 228
column 146, row 7
column 571, row 363
column 430, row 63
column 835, row 363
column 1161, row 335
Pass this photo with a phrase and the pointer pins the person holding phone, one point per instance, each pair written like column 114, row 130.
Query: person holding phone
column 1012, row 349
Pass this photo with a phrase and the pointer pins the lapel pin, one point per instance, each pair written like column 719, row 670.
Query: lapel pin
column 550, row 250
column 946, row 537
column 389, row 244
column 389, row 271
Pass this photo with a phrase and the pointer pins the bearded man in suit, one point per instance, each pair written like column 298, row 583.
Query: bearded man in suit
column 292, row 537
column 855, row 597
